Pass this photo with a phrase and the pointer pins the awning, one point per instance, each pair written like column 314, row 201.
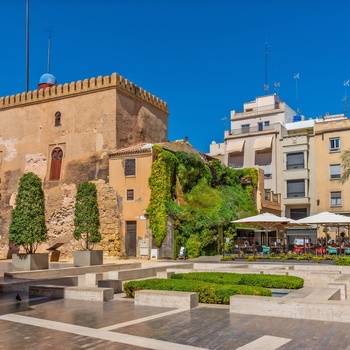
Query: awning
column 235, row 146
column 263, row 143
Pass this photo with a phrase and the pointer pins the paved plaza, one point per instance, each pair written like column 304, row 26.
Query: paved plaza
column 45, row 323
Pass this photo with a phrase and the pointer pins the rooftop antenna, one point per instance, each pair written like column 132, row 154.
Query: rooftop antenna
column 266, row 86
column 27, row 45
column 345, row 99
column 296, row 77
column 226, row 121
column 48, row 49
column 276, row 87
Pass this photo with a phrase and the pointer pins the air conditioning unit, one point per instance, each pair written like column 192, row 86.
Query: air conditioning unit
column 154, row 254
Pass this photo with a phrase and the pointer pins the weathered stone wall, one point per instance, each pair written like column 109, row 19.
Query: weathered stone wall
column 109, row 219
column 97, row 115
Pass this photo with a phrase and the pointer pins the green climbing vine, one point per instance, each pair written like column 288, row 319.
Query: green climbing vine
column 161, row 183
column 201, row 198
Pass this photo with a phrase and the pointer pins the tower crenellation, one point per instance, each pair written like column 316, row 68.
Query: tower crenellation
column 81, row 87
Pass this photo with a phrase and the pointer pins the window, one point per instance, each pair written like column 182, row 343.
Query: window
column 267, row 123
column 56, row 164
column 295, row 160
column 245, row 128
column 130, row 195
column 334, row 144
column 130, row 167
column 57, row 118
column 336, row 198
column 267, row 194
column 260, row 126
column 295, row 188
column 298, row 213
column 335, row 171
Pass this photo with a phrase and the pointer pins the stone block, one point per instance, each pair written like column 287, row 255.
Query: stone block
column 75, row 293
column 117, row 285
column 91, row 279
column 88, row 257
column 161, row 298
column 165, row 274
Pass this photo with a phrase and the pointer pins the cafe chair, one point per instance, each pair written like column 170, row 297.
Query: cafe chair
column 347, row 251
column 265, row 250
column 331, row 250
column 298, row 250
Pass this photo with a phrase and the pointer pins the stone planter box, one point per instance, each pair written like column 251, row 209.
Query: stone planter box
column 28, row 262
column 88, row 257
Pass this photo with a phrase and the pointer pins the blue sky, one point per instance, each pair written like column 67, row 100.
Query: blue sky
column 204, row 57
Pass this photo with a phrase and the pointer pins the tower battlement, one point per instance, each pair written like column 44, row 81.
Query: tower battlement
column 80, row 87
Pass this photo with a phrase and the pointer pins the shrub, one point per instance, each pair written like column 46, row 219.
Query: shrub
column 342, row 261
column 209, row 293
column 193, row 246
column 87, row 220
column 28, row 227
column 265, row 281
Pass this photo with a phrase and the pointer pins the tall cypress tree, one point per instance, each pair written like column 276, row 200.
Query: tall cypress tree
column 28, row 226
column 87, row 220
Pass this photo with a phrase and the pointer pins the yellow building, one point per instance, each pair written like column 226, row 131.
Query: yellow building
column 130, row 169
column 331, row 140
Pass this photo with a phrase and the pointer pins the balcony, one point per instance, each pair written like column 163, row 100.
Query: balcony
column 295, row 174
column 296, row 200
column 251, row 130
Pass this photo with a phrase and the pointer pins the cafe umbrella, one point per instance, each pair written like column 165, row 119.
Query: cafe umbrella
column 327, row 219
column 267, row 221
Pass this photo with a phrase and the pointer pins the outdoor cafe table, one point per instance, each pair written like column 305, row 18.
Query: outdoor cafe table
column 276, row 249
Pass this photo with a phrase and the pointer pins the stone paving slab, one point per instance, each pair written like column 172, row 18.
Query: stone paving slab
column 207, row 327
column 44, row 323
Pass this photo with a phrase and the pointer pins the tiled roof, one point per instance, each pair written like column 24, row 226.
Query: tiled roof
column 135, row 149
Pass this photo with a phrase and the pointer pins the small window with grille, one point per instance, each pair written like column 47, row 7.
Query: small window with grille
column 129, row 194
column 130, row 167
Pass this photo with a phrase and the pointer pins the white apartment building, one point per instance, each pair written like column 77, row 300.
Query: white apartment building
column 270, row 135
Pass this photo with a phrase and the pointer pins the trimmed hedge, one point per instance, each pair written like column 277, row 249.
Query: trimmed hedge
column 342, row 261
column 209, row 293
column 257, row 280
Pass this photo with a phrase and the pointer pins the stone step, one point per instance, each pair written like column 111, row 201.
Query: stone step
column 76, row 293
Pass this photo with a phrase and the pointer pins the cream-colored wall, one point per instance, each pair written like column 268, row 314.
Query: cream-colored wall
column 132, row 210
column 324, row 158
column 302, row 142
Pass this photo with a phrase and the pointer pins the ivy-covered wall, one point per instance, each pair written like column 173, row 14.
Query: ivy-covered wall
column 200, row 197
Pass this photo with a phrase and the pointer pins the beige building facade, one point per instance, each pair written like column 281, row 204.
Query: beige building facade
column 332, row 139
column 63, row 134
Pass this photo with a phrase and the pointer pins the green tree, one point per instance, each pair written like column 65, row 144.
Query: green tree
column 87, row 220
column 345, row 159
column 28, row 228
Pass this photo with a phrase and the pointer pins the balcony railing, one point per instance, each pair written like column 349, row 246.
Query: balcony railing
column 251, row 129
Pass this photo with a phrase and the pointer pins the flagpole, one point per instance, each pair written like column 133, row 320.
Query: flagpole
column 27, row 45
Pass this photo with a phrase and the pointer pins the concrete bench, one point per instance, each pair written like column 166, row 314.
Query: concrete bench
column 322, row 294
column 116, row 285
column 71, row 271
column 165, row 274
column 161, row 298
column 308, row 309
column 91, row 279
column 146, row 272
column 76, row 293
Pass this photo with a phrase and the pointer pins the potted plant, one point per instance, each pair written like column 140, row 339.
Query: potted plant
column 87, row 224
column 28, row 227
